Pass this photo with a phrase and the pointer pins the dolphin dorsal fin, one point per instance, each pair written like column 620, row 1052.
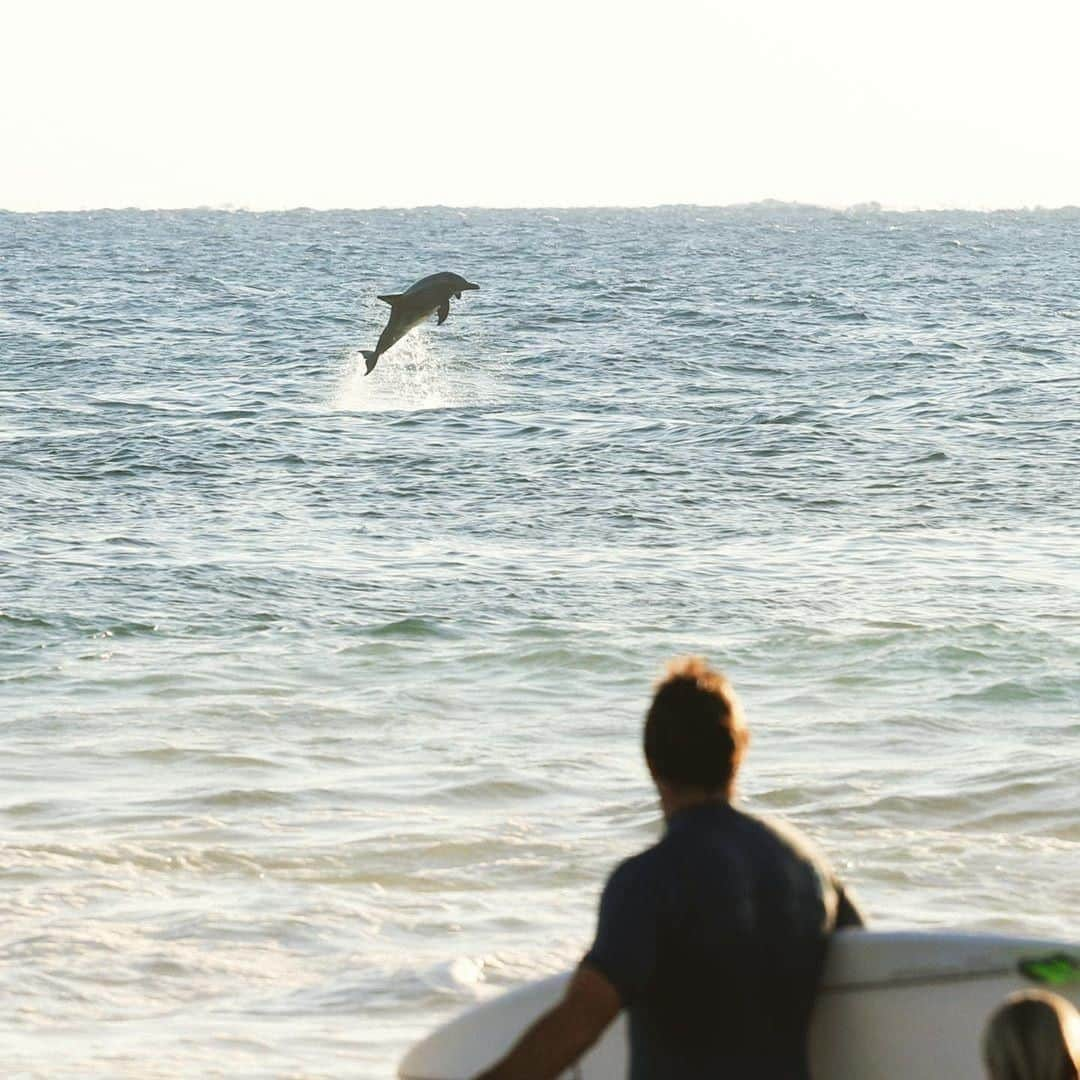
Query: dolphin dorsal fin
column 390, row 298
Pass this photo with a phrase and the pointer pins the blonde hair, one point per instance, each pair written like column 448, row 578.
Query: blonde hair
column 1033, row 1035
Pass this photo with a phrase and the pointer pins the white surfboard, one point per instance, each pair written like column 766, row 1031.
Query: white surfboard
column 893, row 1006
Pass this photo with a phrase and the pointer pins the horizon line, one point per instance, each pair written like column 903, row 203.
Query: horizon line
column 863, row 206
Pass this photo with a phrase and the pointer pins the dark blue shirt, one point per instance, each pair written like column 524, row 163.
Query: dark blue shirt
column 715, row 939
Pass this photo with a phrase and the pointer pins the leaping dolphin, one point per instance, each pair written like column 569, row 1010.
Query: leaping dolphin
column 413, row 306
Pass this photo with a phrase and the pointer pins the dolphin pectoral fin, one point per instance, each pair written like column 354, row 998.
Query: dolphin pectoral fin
column 390, row 298
column 370, row 360
column 444, row 311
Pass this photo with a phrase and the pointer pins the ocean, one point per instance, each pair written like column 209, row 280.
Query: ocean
column 321, row 695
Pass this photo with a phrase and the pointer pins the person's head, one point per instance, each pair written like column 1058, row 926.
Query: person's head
column 694, row 733
column 1033, row 1035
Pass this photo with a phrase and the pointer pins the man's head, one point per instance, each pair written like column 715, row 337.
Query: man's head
column 1033, row 1034
column 694, row 733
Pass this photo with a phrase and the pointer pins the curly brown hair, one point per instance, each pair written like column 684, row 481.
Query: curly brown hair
column 694, row 730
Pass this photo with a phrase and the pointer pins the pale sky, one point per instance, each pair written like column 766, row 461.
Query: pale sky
column 511, row 103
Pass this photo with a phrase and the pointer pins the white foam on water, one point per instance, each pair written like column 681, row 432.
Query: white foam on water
column 416, row 374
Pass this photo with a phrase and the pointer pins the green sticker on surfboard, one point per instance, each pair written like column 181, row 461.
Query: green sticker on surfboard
column 1056, row 970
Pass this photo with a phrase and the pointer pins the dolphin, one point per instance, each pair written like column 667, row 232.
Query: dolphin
column 413, row 306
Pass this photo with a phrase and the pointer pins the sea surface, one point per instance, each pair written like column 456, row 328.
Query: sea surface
column 321, row 695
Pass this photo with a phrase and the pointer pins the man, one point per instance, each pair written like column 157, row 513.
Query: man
column 714, row 938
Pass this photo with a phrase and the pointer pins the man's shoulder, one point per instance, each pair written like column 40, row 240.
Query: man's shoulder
column 745, row 831
column 841, row 902
column 637, row 870
column 785, row 835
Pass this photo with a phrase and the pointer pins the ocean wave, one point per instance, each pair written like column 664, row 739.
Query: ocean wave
column 314, row 682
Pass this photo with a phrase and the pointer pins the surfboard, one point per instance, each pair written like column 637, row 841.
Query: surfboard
column 892, row 1006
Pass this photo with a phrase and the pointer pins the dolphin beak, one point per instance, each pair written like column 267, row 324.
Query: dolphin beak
column 470, row 285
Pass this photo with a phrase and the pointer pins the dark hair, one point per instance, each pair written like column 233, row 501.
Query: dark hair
column 694, row 731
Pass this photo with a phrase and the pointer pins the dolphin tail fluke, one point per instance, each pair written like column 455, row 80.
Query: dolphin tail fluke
column 371, row 358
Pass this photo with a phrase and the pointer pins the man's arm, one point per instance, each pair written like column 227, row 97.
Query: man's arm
column 564, row 1033
column 848, row 915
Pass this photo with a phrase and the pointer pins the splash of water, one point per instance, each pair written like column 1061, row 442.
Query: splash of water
column 413, row 376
